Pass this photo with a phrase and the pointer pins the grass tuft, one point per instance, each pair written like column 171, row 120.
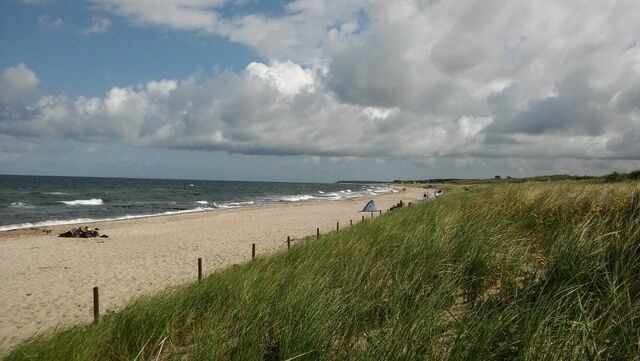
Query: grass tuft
column 531, row 271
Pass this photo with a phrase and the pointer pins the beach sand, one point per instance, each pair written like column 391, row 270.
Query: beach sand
column 47, row 281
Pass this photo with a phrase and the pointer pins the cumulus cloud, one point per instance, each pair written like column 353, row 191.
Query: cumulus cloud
column 300, row 34
column 471, row 81
column 16, row 81
column 99, row 25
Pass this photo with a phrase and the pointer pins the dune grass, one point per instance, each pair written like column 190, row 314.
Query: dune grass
column 534, row 271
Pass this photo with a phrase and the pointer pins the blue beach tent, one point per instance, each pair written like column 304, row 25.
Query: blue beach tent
column 369, row 207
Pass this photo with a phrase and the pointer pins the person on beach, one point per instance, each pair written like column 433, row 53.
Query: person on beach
column 80, row 232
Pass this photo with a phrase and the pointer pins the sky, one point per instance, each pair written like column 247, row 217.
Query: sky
column 319, row 91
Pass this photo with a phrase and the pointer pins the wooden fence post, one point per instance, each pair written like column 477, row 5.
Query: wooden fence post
column 351, row 222
column 253, row 250
column 288, row 242
column 337, row 226
column 317, row 234
column 199, row 269
column 96, row 305
column 363, row 217
column 381, row 212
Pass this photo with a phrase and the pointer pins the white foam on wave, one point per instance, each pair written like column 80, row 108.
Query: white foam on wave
column 380, row 190
column 233, row 205
column 298, row 198
column 21, row 205
column 93, row 220
column 55, row 193
column 44, row 223
column 84, row 202
column 193, row 210
column 330, row 196
column 202, row 202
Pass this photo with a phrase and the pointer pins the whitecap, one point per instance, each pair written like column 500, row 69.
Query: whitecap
column 298, row 198
column 84, row 202
column 20, row 205
column 330, row 196
column 232, row 205
column 202, row 202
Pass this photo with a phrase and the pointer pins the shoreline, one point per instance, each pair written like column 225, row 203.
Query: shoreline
column 48, row 280
column 199, row 209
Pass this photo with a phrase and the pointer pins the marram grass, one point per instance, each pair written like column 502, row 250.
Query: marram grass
column 536, row 271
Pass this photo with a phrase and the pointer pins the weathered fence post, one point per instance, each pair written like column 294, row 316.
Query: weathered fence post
column 317, row 234
column 381, row 212
column 253, row 250
column 371, row 214
column 363, row 217
column 337, row 226
column 96, row 305
column 351, row 222
column 199, row 269
column 288, row 242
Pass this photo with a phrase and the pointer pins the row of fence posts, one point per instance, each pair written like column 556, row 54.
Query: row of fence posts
column 96, row 294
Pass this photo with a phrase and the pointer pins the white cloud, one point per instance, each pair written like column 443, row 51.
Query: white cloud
column 50, row 23
column 461, row 80
column 179, row 14
column 99, row 25
column 287, row 77
column 16, row 81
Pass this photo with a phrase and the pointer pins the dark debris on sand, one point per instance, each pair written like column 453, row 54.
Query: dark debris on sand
column 81, row 232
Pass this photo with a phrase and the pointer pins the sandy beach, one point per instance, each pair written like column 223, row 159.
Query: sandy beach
column 47, row 281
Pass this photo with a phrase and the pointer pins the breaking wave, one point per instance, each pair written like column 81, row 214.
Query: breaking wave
column 20, row 205
column 84, row 202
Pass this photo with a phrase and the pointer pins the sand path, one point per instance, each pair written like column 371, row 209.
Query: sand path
column 47, row 281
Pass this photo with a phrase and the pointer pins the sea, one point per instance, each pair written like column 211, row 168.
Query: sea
column 36, row 201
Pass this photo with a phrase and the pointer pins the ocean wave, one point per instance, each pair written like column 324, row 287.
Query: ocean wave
column 21, row 205
column 380, row 190
column 298, row 198
column 55, row 193
column 329, row 196
column 233, row 205
column 192, row 210
column 11, row 227
column 202, row 205
column 84, row 202
column 56, row 222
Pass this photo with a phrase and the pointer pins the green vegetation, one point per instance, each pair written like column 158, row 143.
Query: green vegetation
column 534, row 271
column 613, row 177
